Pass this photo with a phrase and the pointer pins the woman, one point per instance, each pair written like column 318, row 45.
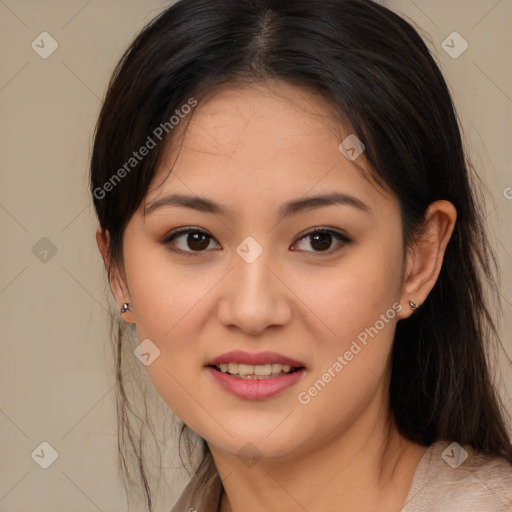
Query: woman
column 292, row 236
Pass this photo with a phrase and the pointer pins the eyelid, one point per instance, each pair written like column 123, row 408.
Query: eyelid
column 323, row 229
column 183, row 230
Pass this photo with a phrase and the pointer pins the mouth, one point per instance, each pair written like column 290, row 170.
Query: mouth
column 255, row 376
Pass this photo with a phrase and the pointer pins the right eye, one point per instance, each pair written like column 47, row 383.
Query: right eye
column 188, row 241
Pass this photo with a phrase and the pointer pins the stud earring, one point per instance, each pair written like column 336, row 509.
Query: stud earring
column 125, row 307
column 413, row 305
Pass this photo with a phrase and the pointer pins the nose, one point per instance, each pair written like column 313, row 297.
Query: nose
column 254, row 297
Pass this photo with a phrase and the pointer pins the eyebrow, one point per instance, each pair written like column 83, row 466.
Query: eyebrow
column 291, row 207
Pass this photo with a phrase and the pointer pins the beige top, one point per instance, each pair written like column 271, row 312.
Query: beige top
column 448, row 478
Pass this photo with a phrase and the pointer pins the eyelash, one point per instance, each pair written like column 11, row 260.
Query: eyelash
column 182, row 231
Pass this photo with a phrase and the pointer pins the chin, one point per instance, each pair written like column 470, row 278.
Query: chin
column 253, row 446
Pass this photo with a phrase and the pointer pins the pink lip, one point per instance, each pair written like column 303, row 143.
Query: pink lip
column 255, row 389
column 239, row 356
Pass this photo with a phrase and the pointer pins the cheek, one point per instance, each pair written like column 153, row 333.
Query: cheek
column 166, row 302
column 361, row 310
column 165, row 294
column 353, row 296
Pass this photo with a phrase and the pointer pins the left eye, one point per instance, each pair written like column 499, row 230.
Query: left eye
column 321, row 240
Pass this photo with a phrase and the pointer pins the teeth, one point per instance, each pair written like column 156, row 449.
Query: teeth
column 245, row 369
column 263, row 369
column 276, row 368
column 251, row 371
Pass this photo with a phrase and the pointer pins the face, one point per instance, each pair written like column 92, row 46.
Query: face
column 266, row 271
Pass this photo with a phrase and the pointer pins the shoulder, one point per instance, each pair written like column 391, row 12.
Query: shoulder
column 451, row 477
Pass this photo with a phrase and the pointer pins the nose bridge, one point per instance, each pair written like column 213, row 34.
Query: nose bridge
column 253, row 277
column 252, row 261
column 254, row 297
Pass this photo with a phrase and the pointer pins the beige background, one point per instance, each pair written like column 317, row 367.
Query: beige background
column 56, row 376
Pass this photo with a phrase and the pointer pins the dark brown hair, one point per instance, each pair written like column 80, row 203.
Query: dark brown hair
column 376, row 71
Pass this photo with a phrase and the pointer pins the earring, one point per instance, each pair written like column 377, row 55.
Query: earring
column 413, row 305
column 125, row 307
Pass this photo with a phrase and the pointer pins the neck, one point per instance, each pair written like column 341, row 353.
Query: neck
column 367, row 467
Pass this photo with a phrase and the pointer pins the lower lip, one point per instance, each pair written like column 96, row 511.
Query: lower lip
column 255, row 389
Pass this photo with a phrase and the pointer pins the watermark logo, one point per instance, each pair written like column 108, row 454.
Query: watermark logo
column 44, row 250
column 249, row 250
column 147, row 352
column 352, row 147
column 45, row 455
column 454, row 455
column 44, row 45
column 454, row 45
column 249, row 455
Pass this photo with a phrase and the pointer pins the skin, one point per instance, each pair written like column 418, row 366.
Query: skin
column 251, row 149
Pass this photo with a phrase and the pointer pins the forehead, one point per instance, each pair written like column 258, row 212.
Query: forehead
column 239, row 121
column 270, row 140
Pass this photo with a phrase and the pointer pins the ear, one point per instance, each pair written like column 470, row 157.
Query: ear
column 116, row 278
column 425, row 255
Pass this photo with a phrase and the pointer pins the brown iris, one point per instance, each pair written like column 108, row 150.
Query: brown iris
column 323, row 241
column 198, row 241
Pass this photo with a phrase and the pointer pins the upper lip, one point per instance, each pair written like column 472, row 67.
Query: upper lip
column 239, row 356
